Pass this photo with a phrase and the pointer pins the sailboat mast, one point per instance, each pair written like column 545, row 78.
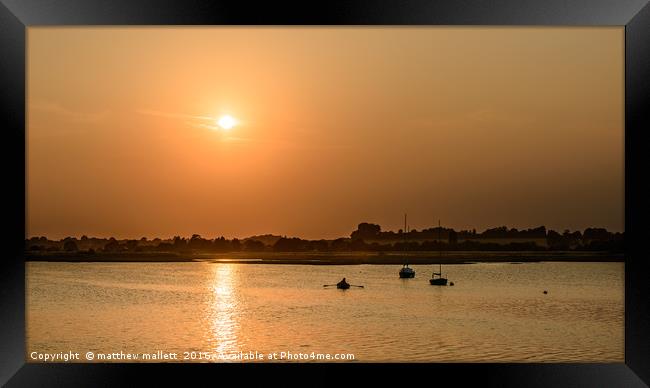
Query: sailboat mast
column 439, row 250
column 405, row 237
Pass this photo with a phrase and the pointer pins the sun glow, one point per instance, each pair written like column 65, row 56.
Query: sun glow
column 226, row 122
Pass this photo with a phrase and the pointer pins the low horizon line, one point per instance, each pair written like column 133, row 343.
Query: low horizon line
column 284, row 235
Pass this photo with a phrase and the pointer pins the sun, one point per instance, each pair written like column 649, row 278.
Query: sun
column 226, row 122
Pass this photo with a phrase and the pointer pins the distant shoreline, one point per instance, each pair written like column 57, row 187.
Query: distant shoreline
column 330, row 258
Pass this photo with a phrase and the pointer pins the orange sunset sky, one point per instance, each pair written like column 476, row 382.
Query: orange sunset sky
column 478, row 127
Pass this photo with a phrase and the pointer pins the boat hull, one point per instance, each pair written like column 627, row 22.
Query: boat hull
column 342, row 286
column 407, row 275
column 438, row 282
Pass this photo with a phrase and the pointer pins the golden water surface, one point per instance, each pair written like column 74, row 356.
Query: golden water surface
column 494, row 312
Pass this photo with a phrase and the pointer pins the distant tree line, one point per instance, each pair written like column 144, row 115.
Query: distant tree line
column 368, row 231
column 367, row 237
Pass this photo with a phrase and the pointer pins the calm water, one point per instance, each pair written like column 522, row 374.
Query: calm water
column 495, row 312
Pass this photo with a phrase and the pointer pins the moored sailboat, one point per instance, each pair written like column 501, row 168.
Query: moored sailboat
column 406, row 272
column 439, row 280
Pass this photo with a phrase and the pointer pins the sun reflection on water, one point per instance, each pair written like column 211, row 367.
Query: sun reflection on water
column 223, row 310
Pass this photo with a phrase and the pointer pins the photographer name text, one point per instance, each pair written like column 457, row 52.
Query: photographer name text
column 192, row 356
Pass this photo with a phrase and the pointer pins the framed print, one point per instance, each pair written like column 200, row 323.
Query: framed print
column 410, row 190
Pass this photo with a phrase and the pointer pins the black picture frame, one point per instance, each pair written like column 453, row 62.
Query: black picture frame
column 17, row 15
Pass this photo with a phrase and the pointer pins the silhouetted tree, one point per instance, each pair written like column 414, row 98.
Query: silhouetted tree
column 199, row 243
column 366, row 231
column 179, row 243
column 501, row 231
column 70, row 246
column 453, row 237
column 340, row 244
column 319, row 245
column 131, row 245
column 596, row 234
column 291, row 245
column 221, row 244
column 556, row 241
column 358, row 245
column 112, row 246
column 164, row 247
column 254, row 245
column 236, row 245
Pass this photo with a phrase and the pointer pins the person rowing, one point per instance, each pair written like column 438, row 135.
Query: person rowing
column 342, row 285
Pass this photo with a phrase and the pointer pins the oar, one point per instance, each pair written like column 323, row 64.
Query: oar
column 356, row 286
column 328, row 285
